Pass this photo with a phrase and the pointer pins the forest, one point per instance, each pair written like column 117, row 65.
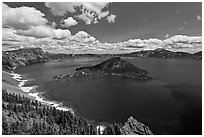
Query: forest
column 22, row 116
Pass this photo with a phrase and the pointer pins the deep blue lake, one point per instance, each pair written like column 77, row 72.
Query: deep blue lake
column 171, row 103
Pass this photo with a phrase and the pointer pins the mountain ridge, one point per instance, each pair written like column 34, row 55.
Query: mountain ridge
column 27, row 56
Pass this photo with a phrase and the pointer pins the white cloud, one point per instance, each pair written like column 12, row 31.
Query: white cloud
column 83, row 37
column 69, row 22
column 89, row 12
column 183, row 43
column 87, row 17
column 8, row 34
column 61, row 8
column 22, row 17
column 167, row 35
column 199, row 17
column 94, row 6
column 183, row 39
column 38, row 32
column 44, row 31
column 111, row 18
column 81, row 34
column 90, row 39
column 103, row 14
column 59, row 33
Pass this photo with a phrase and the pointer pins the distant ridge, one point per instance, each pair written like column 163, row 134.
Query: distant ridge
column 26, row 56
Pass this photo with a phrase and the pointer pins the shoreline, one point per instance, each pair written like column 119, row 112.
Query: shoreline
column 32, row 92
column 36, row 94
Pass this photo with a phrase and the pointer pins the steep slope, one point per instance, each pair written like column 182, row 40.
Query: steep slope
column 133, row 127
column 22, row 116
column 21, row 57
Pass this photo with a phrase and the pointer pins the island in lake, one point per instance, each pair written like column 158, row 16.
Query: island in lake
column 114, row 66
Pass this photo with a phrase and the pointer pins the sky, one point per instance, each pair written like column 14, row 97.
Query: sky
column 102, row 27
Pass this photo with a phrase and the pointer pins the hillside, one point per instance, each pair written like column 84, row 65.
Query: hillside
column 22, row 116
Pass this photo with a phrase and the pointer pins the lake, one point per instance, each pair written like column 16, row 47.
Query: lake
column 171, row 103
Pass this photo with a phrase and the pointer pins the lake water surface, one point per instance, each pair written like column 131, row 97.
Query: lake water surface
column 171, row 103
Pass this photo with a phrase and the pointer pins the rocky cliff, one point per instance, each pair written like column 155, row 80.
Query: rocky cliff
column 133, row 127
column 21, row 57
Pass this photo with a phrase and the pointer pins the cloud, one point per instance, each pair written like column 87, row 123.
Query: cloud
column 87, row 17
column 183, row 43
column 94, row 6
column 89, row 12
column 60, row 34
column 69, row 22
column 8, row 34
column 61, row 8
column 199, row 17
column 111, row 18
column 53, row 24
column 103, row 14
column 167, row 35
column 183, row 39
column 44, row 31
column 38, row 32
column 83, row 36
column 22, row 17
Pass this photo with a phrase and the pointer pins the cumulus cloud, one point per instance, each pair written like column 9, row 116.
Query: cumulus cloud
column 87, row 17
column 84, row 37
column 183, row 43
column 103, row 14
column 174, row 43
column 60, row 34
column 81, row 34
column 89, row 12
column 111, row 18
column 8, row 34
column 183, row 39
column 22, row 17
column 61, row 8
column 38, row 32
column 44, row 31
column 69, row 22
